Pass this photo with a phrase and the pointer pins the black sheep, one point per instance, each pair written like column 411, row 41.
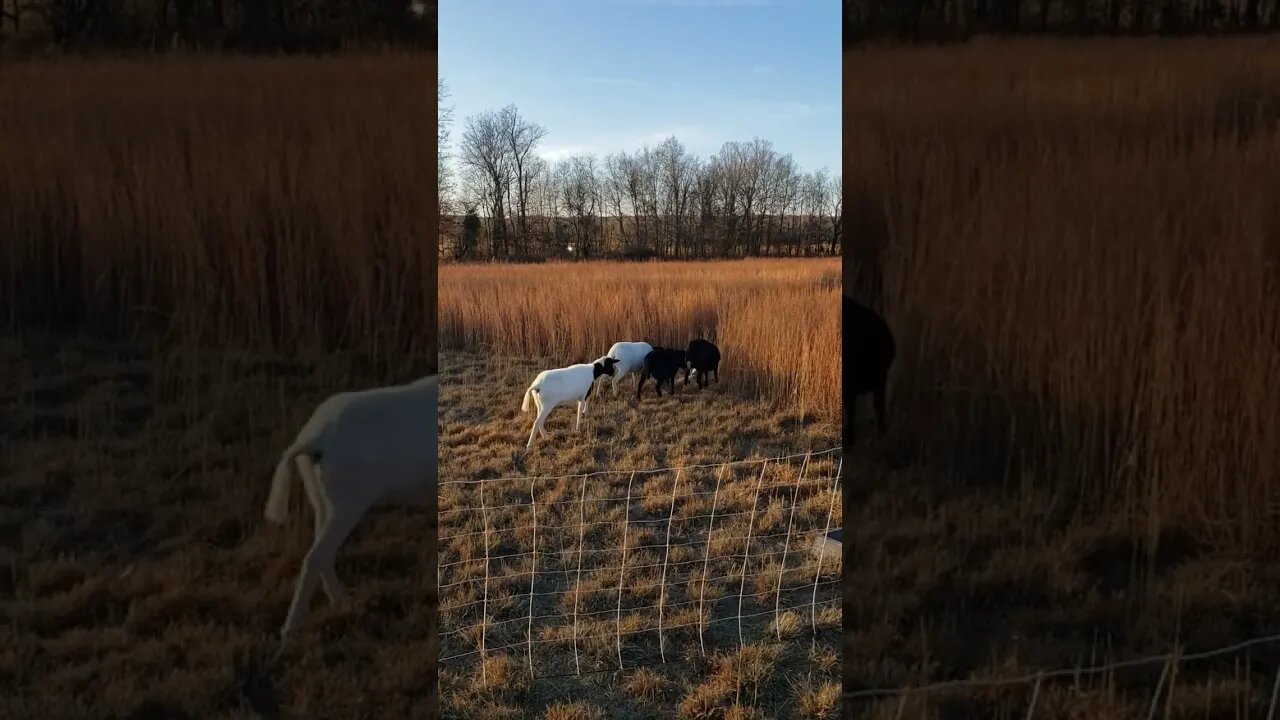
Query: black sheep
column 703, row 357
column 663, row 364
column 868, row 351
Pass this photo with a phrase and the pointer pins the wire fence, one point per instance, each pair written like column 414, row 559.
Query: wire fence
column 1162, row 695
column 620, row 569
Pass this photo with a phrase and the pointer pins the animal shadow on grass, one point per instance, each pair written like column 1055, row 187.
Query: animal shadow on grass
column 977, row 429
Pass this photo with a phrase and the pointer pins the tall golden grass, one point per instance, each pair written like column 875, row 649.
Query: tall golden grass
column 1079, row 244
column 777, row 322
column 274, row 204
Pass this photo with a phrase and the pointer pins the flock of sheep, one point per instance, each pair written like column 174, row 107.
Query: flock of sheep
column 379, row 446
column 575, row 382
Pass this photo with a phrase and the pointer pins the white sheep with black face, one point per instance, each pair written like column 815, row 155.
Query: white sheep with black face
column 561, row 386
column 630, row 357
column 359, row 449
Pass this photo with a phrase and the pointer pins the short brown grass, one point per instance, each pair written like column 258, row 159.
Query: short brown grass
column 272, row 204
column 776, row 322
column 482, row 437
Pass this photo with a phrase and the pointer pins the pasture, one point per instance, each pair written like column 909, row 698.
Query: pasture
column 196, row 251
column 777, row 321
column 1076, row 246
column 504, row 324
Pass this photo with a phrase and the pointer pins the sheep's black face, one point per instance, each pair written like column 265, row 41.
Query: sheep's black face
column 606, row 367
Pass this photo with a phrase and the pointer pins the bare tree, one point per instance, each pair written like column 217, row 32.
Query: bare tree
column 675, row 178
column 580, row 193
column 484, row 148
column 662, row 202
column 837, row 203
column 444, row 118
column 614, row 186
column 521, row 137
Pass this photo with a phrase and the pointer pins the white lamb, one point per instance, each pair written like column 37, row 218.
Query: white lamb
column 358, row 449
column 630, row 357
column 563, row 385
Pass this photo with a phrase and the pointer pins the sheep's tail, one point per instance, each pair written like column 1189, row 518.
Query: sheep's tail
column 278, row 501
column 528, row 395
column 277, row 508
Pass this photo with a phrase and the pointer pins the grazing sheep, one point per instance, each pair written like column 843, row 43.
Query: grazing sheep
column 557, row 387
column 630, row 357
column 358, row 449
column 868, row 351
column 663, row 364
column 704, row 357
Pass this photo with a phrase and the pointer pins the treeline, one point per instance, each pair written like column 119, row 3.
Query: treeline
column 240, row 25
column 958, row 19
column 656, row 202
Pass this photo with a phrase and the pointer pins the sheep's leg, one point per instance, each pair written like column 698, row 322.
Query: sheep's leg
column 337, row 534
column 577, row 420
column 539, row 422
column 319, row 561
column 306, row 470
column 542, row 422
column 323, row 511
column 640, row 385
column 533, row 431
column 333, row 588
column 537, row 425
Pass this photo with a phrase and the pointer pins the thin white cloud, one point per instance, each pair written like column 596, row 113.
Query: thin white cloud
column 556, row 153
column 686, row 134
column 621, row 81
column 695, row 138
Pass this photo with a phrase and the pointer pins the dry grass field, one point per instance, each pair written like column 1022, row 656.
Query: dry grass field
column 1078, row 244
column 483, row 437
column 777, row 322
column 507, row 326
column 276, row 205
column 196, row 252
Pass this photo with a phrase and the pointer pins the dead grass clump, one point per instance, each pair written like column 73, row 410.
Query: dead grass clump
column 573, row 711
column 816, row 700
column 644, row 684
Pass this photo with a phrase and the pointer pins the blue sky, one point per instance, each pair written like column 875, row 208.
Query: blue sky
column 608, row 75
